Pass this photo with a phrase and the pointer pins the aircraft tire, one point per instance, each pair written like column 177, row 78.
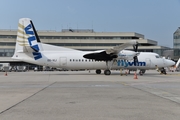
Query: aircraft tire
column 141, row 72
column 98, row 71
column 163, row 71
column 107, row 72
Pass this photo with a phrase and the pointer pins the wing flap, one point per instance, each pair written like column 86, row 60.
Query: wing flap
column 117, row 49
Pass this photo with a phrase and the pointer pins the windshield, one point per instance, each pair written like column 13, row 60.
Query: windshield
column 157, row 56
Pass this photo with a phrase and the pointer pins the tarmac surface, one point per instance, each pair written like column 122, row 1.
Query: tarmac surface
column 84, row 95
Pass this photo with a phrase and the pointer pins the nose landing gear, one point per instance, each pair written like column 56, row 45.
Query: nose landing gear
column 141, row 72
column 163, row 71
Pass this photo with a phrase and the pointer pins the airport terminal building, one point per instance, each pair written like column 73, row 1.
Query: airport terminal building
column 81, row 39
column 176, row 42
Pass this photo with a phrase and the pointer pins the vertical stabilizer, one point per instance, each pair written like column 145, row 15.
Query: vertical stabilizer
column 27, row 38
column 21, row 40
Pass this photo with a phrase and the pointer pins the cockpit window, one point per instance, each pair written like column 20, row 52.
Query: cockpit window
column 157, row 56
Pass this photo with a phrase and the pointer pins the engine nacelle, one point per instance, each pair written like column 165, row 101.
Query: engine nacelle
column 127, row 55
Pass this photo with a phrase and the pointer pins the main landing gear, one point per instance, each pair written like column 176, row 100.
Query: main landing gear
column 98, row 71
column 106, row 72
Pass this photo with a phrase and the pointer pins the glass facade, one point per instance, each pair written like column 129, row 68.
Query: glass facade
column 74, row 37
column 176, row 41
column 87, row 37
column 6, row 52
column 8, row 36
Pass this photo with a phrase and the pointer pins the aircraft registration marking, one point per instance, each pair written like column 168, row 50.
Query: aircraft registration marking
column 51, row 60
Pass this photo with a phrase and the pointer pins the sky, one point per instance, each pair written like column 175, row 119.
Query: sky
column 155, row 19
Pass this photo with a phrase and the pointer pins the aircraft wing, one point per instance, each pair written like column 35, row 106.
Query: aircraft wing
column 109, row 54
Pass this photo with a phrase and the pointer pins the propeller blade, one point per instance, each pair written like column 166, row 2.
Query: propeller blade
column 135, row 47
column 135, row 61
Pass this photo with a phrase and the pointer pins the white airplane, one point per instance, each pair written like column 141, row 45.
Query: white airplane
column 30, row 49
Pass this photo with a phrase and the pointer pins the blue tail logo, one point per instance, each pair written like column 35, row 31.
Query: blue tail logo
column 33, row 42
column 37, row 55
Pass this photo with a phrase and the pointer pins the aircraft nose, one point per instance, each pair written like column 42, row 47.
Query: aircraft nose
column 170, row 62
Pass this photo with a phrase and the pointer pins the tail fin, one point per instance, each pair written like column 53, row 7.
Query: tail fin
column 27, row 38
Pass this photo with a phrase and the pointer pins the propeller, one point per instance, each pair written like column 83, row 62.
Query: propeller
column 135, row 47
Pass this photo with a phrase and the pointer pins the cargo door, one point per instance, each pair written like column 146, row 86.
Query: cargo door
column 63, row 61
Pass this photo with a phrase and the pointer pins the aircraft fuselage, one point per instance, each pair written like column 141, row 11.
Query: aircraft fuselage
column 67, row 60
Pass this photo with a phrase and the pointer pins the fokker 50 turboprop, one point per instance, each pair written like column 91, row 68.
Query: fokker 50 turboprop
column 30, row 49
